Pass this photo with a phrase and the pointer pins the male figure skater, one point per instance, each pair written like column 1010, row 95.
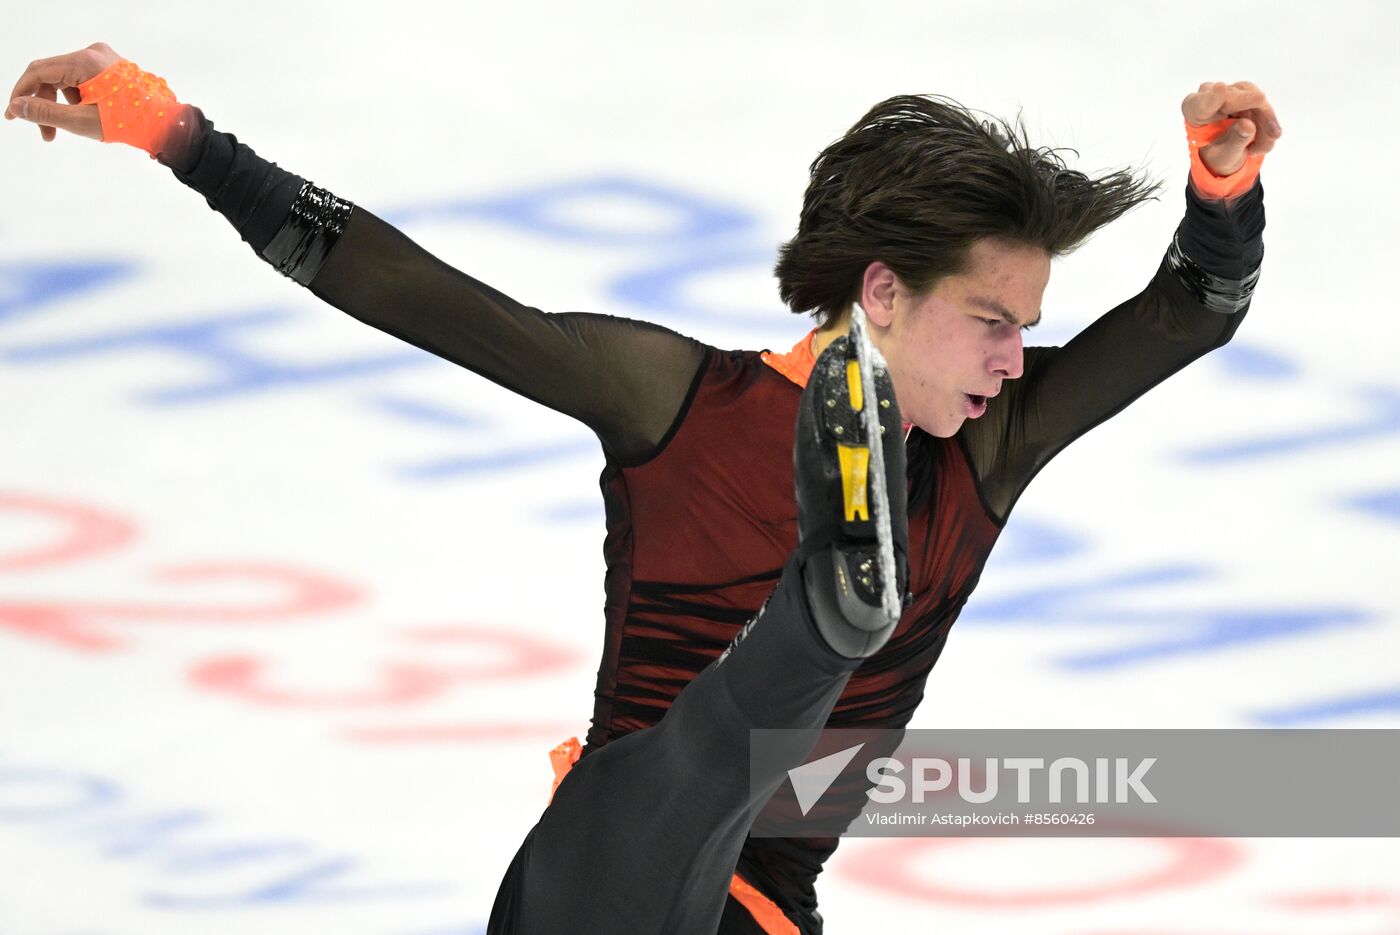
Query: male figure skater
column 942, row 228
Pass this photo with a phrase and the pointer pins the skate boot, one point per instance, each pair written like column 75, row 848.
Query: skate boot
column 851, row 496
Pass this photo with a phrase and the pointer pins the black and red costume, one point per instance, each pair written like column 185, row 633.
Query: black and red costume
column 698, row 482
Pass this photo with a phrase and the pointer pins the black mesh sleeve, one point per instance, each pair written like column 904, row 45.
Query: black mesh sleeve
column 627, row 380
column 1064, row 392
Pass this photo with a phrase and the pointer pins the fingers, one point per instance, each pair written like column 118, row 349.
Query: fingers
column 1198, row 108
column 1227, row 153
column 1217, row 100
column 68, row 70
column 35, row 94
column 1257, row 126
column 48, row 114
column 1266, row 125
column 79, row 119
column 49, row 93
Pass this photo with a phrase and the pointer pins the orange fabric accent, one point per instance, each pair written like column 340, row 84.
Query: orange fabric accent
column 563, row 758
column 797, row 363
column 136, row 107
column 764, row 911
column 1208, row 184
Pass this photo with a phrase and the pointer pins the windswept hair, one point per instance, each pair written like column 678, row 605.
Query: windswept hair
column 916, row 182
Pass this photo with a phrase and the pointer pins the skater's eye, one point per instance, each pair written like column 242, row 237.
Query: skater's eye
column 991, row 305
column 993, row 322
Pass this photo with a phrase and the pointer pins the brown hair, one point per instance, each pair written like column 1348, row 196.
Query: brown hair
column 916, row 182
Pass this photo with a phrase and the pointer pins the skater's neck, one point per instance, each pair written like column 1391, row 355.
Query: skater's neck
column 830, row 332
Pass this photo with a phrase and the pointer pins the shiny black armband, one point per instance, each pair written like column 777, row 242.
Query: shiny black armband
column 312, row 227
column 1226, row 296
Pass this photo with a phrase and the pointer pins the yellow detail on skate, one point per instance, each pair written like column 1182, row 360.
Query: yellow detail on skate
column 855, row 463
column 853, row 382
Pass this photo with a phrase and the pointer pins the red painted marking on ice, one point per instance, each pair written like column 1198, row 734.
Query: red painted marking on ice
column 303, row 592
column 57, row 625
column 1340, row 899
column 243, row 676
column 526, row 655
column 79, row 531
column 83, row 530
column 894, row 870
column 398, row 683
column 462, row 733
column 75, row 624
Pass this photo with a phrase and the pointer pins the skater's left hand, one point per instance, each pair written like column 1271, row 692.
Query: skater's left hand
column 1254, row 133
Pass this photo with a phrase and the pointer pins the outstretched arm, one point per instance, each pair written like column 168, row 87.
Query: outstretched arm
column 1194, row 303
column 625, row 379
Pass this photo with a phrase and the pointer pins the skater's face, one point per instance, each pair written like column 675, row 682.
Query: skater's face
column 950, row 349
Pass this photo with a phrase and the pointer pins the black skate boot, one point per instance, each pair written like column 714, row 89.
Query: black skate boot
column 849, row 464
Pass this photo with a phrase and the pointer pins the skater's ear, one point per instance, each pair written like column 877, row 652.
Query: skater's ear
column 877, row 291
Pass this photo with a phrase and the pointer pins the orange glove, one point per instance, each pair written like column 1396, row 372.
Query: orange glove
column 136, row 107
column 1208, row 184
column 1236, row 125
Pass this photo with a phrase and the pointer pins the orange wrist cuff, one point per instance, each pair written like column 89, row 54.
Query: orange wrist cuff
column 136, row 107
column 1207, row 183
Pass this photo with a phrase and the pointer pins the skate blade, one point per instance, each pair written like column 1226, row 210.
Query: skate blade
column 867, row 359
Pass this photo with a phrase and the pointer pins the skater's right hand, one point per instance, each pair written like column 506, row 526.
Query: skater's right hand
column 35, row 95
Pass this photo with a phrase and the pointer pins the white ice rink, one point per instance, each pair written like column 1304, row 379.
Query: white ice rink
column 272, row 655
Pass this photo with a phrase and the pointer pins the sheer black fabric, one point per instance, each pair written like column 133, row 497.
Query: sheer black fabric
column 623, row 378
column 1066, row 391
column 628, row 380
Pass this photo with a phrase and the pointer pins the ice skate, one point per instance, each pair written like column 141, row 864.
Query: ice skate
column 851, row 496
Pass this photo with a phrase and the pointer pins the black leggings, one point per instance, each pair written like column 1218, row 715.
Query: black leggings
column 643, row 833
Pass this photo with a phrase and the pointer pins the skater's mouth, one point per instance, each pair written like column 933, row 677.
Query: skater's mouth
column 976, row 405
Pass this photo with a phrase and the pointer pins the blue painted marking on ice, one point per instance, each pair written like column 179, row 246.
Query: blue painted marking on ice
column 1026, row 606
column 706, row 229
column 1381, row 504
column 1382, row 420
column 239, row 371
column 542, row 210
column 497, row 460
column 75, row 793
column 224, row 855
column 572, row 511
column 1196, row 631
column 1131, row 603
column 128, row 836
column 426, row 413
column 488, row 456
column 1380, row 701
column 26, row 288
column 1025, row 539
column 318, row 883
column 661, row 289
column 1253, row 362
column 86, row 809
